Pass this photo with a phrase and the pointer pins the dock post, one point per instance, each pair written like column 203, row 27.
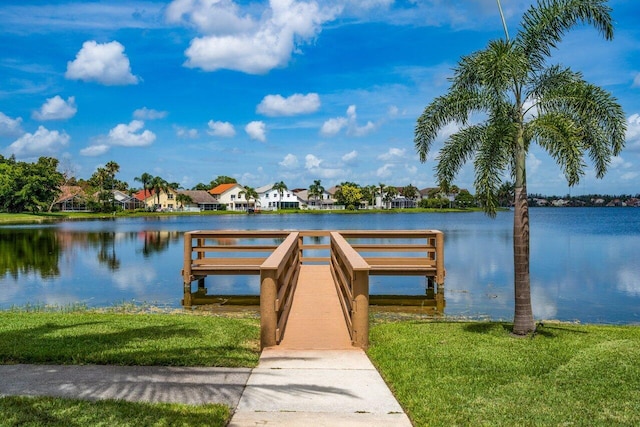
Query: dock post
column 268, row 315
column 361, row 309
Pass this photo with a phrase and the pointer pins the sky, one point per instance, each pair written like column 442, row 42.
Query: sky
column 265, row 91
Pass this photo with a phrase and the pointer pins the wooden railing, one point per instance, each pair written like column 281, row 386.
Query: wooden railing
column 353, row 256
column 351, row 276
column 278, row 279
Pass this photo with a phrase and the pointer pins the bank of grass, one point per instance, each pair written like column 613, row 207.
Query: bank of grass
column 92, row 337
column 57, row 412
column 34, row 218
column 475, row 374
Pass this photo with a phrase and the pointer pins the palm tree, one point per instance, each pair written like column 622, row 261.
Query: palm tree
column 525, row 101
column 159, row 185
column 389, row 195
column 184, row 199
column 316, row 190
column 250, row 193
column 145, row 179
column 280, row 187
column 410, row 192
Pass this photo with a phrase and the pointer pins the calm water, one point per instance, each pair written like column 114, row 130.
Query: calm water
column 585, row 263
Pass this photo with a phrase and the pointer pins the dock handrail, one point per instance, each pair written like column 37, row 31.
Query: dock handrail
column 351, row 276
column 278, row 278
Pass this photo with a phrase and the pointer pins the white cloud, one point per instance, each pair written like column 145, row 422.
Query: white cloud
column 636, row 80
column 256, row 130
column 42, row 142
column 182, row 132
column 333, row 126
column 350, row 156
column 533, row 163
column 126, row 136
column 629, row 176
column 219, row 17
column 393, row 154
column 289, row 161
column 619, row 162
column 9, row 126
column 145, row 113
column 95, row 150
column 57, row 108
column 222, row 129
column 633, row 131
column 393, row 111
column 311, row 161
column 234, row 40
column 384, row 171
column 104, row 63
column 276, row 105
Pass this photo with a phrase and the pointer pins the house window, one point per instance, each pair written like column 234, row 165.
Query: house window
column 233, row 197
column 267, row 195
column 170, row 196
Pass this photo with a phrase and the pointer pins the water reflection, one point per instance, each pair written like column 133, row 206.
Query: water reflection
column 584, row 263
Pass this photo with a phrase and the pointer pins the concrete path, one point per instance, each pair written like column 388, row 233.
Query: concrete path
column 191, row 386
column 317, row 388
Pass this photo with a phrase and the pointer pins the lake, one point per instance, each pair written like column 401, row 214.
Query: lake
column 585, row 262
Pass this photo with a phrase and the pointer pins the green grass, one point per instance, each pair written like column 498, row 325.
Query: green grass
column 477, row 374
column 53, row 412
column 88, row 337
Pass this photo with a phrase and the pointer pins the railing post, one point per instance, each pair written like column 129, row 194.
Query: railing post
column 268, row 315
column 440, row 272
column 360, row 286
column 186, row 270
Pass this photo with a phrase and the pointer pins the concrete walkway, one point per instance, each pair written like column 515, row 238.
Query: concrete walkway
column 317, row 388
column 288, row 388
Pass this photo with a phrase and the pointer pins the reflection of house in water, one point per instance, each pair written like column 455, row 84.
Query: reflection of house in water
column 157, row 241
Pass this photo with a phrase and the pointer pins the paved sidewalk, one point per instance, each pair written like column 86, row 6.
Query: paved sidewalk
column 191, row 386
column 317, row 388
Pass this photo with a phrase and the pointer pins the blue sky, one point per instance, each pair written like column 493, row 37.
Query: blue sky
column 268, row 91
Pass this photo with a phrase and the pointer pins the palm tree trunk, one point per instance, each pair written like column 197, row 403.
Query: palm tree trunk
column 523, row 322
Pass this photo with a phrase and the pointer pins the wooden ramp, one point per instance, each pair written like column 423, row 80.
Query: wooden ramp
column 316, row 321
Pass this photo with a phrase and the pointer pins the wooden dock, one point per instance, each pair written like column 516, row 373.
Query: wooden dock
column 309, row 301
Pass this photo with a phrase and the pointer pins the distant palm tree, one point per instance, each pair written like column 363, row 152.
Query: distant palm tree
column 523, row 100
column 280, row 187
column 184, row 199
column 390, row 194
column 410, row 192
column 145, row 179
column 250, row 193
column 159, row 185
column 316, row 190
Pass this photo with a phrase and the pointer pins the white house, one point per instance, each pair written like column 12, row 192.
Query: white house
column 271, row 199
column 232, row 195
column 323, row 201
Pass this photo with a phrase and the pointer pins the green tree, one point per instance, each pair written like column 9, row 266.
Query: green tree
column 183, row 199
column 222, row 179
column 390, row 193
column 316, row 190
column 159, row 185
column 464, row 199
column 410, row 192
column 250, row 193
column 280, row 187
column 525, row 100
column 145, row 179
column 349, row 195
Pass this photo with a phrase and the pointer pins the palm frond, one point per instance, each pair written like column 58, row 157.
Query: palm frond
column 544, row 24
column 457, row 150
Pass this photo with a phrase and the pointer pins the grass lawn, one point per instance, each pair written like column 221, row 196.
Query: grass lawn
column 477, row 374
column 54, row 412
column 128, row 339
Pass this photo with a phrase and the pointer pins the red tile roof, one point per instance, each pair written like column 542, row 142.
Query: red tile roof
column 222, row 188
